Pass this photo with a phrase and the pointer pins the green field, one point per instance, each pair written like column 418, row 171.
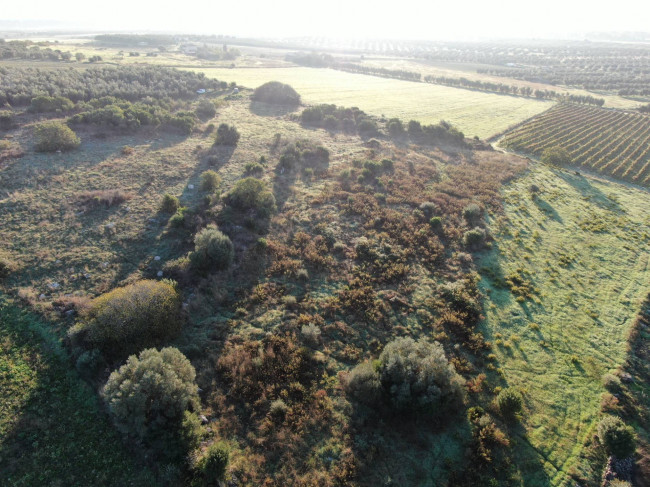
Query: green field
column 583, row 245
column 473, row 112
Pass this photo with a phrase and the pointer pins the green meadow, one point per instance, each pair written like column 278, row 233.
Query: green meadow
column 473, row 112
column 578, row 251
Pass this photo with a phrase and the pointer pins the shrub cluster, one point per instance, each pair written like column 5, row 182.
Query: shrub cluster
column 212, row 250
column 617, row 438
column 55, row 136
column 304, row 154
column 331, row 117
column 19, row 85
column 227, row 135
column 408, row 376
column 128, row 319
column 251, row 194
column 115, row 114
column 509, row 402
column 45, row 104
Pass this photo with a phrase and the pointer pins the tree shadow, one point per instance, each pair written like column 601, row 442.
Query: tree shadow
column 547, row 209
column 264, row 109
column 282, row 183
column 589, row 191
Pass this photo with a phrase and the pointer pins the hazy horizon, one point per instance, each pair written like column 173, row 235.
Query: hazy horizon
column 409, row 20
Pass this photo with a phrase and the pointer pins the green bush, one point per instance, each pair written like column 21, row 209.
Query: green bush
column 276, row 92
column 6, row 119
column 556, row 156
column 395, row 127
column 436, row 223
column 150, row 398
column 253, row 168
column 226, row 135
column 474, row 238
column 210, row 181
column 251, row 194
column 44, row 104
column 612, row 382
column 128, row 319
column 616, row 437
column 55, row 136
column 210, row 468
column 212, row 250
column 6, row 268
column 509, row 402
column 206, row 109
column 409, row 376
column 472, row 213
column 170, row 204
column 312, row 115
column 367, row 127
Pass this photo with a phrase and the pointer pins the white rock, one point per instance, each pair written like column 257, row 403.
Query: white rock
column 190, row 186
column 42, row 297
column 157, row 257
column 54, row 285
column 104, row 265
column 160, row 273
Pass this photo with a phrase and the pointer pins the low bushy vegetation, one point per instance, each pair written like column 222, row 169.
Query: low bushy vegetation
column 212, row 250
column 18, row 86
column 616, row 437
column 409, row 376
column 210, row 181
column 509, row 402
column 55, row 136
column 251, row 194
column 128, row 319
column 227, row 135
column 169, row 204
column 46, row 104
column 276, row 92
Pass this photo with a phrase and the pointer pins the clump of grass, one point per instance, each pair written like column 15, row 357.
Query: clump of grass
column 104, row 197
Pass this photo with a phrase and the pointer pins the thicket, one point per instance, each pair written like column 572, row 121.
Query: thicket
column 556, row 156
column 154, row 398
column 31, row 50
column 55, row 136
column 129, row 319
column 304, row 154
column 121, row 115
column 409, row 376
column 276, row 92
column 19, row 85
column 509, row 402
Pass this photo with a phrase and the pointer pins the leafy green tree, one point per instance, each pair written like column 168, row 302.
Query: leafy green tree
column 151, row 398
column 226, row 135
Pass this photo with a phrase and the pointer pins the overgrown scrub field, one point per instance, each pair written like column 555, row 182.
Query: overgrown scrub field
column 611, row 142
column 564, row 283
column 474, row 113
column 51, row 429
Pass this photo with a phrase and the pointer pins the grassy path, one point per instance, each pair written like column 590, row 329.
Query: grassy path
column 581, row 247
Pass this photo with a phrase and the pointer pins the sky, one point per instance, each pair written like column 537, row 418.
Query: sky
column 404, row 19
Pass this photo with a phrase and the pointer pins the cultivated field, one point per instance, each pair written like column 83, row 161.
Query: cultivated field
column 582, row 247
column 611, row 142
column 474, row 113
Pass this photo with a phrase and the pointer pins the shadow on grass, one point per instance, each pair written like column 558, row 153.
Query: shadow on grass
column 547, row 209
column 271, row 110
column 589, row 191
column 56, row 433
